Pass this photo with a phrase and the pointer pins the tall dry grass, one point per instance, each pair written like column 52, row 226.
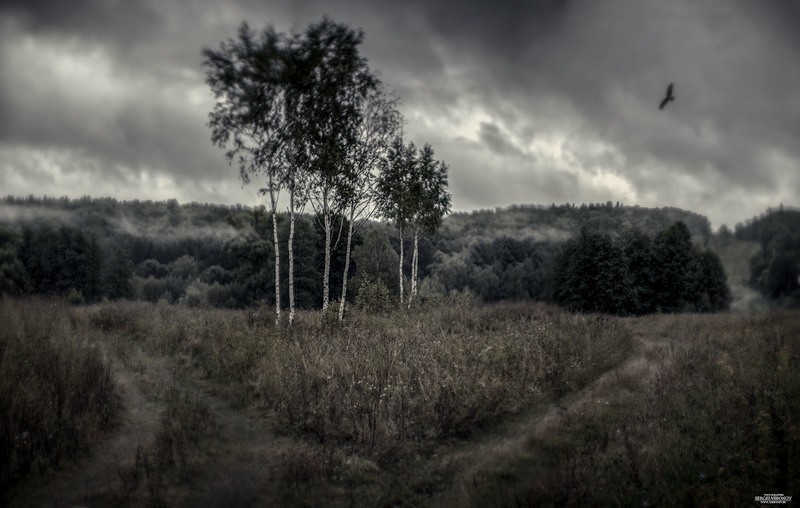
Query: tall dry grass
column 172, row 458
column 57, row 394
column 384, row 385
column 716, row 426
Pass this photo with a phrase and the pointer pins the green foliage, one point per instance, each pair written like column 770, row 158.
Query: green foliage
column 151, row 268
column 673, row 254
column 117, row 272
column 710, row 292
column 308, row 269
column 643, row 271
column 14, row 279
column 75, row 297
column 216, row 273
column 497, row 254
column 196, row 295
column 373, row 296
column 375, row 259
column 775, row 270
column 60, row 259
column 594, row 273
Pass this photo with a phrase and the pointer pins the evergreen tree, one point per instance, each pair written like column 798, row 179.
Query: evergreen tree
column 710, row 292
column 638, row 250
column 592, row 275
column 673, row 262
column 117, row 273
column 14, row 278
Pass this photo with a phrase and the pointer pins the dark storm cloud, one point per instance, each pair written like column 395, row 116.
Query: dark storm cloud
column 114, row 20
column 497, row 141
column 528, row 101
column 598, row 70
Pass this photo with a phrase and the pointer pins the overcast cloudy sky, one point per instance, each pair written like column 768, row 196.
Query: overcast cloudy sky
column 527, row 101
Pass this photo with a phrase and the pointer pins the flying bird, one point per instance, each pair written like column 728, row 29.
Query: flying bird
column 668, row 98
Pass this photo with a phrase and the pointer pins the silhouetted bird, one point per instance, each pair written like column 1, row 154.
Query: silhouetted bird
column 668, row 98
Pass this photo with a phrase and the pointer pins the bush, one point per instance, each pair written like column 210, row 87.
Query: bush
column 196, row 295
column 75, row 297
column 373, row 296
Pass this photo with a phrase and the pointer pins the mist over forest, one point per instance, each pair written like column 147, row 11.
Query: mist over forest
column 222, row 256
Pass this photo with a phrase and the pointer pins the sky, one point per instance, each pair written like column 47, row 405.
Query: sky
column 527, row 101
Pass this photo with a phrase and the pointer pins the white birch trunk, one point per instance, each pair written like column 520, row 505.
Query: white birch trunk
column 346, row 266
column 414, row 260
column 326, row 274
column 401, row 265
column 291, row 257
column 277, row 265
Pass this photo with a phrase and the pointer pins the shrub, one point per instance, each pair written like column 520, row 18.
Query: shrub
column 75, row 297
column 373, row 296
column 196, row 295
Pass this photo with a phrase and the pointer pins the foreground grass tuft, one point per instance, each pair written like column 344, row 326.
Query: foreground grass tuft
column 56, row 390
column 185, row 423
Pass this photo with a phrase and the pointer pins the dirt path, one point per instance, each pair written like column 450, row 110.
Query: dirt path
column 512, row 441
column 233, row 471
column 236, row 463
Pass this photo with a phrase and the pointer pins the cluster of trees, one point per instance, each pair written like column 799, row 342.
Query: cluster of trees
column 504, row 268
column 775, row 269
column 596, row 270
column 411, row 192
column 62, row 260
column 304, row 113
column 636, row 275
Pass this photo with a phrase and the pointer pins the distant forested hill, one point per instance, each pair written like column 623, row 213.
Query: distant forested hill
column 222, row 255
column 556, row 223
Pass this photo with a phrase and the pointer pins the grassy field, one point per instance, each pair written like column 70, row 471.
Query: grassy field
column 514, row 404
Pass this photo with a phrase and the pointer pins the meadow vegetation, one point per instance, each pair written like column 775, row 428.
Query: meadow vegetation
column 711, row 422
column 382, row 385
column 511, row 404
column 57, row 393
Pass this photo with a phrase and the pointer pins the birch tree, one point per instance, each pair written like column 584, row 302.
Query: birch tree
column 393, row 192
column 336, row 83
column 431, row 202
column 380, row 122
column 248, row 79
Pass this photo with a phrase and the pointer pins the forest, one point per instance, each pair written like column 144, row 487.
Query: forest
column 594, row 258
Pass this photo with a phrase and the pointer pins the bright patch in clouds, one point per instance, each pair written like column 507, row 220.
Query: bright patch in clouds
column 528, row 102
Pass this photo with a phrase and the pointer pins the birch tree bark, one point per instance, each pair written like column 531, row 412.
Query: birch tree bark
column 273, row 198
column 401, row 265
column 290, row 248
column 326, row 273
column 414, row 260
column 343, row 298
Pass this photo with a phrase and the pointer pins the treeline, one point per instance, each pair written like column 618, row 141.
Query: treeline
column 636, row 275
column 556, row 222
column 224, row 257
column 58, row 259
column 775, row 269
